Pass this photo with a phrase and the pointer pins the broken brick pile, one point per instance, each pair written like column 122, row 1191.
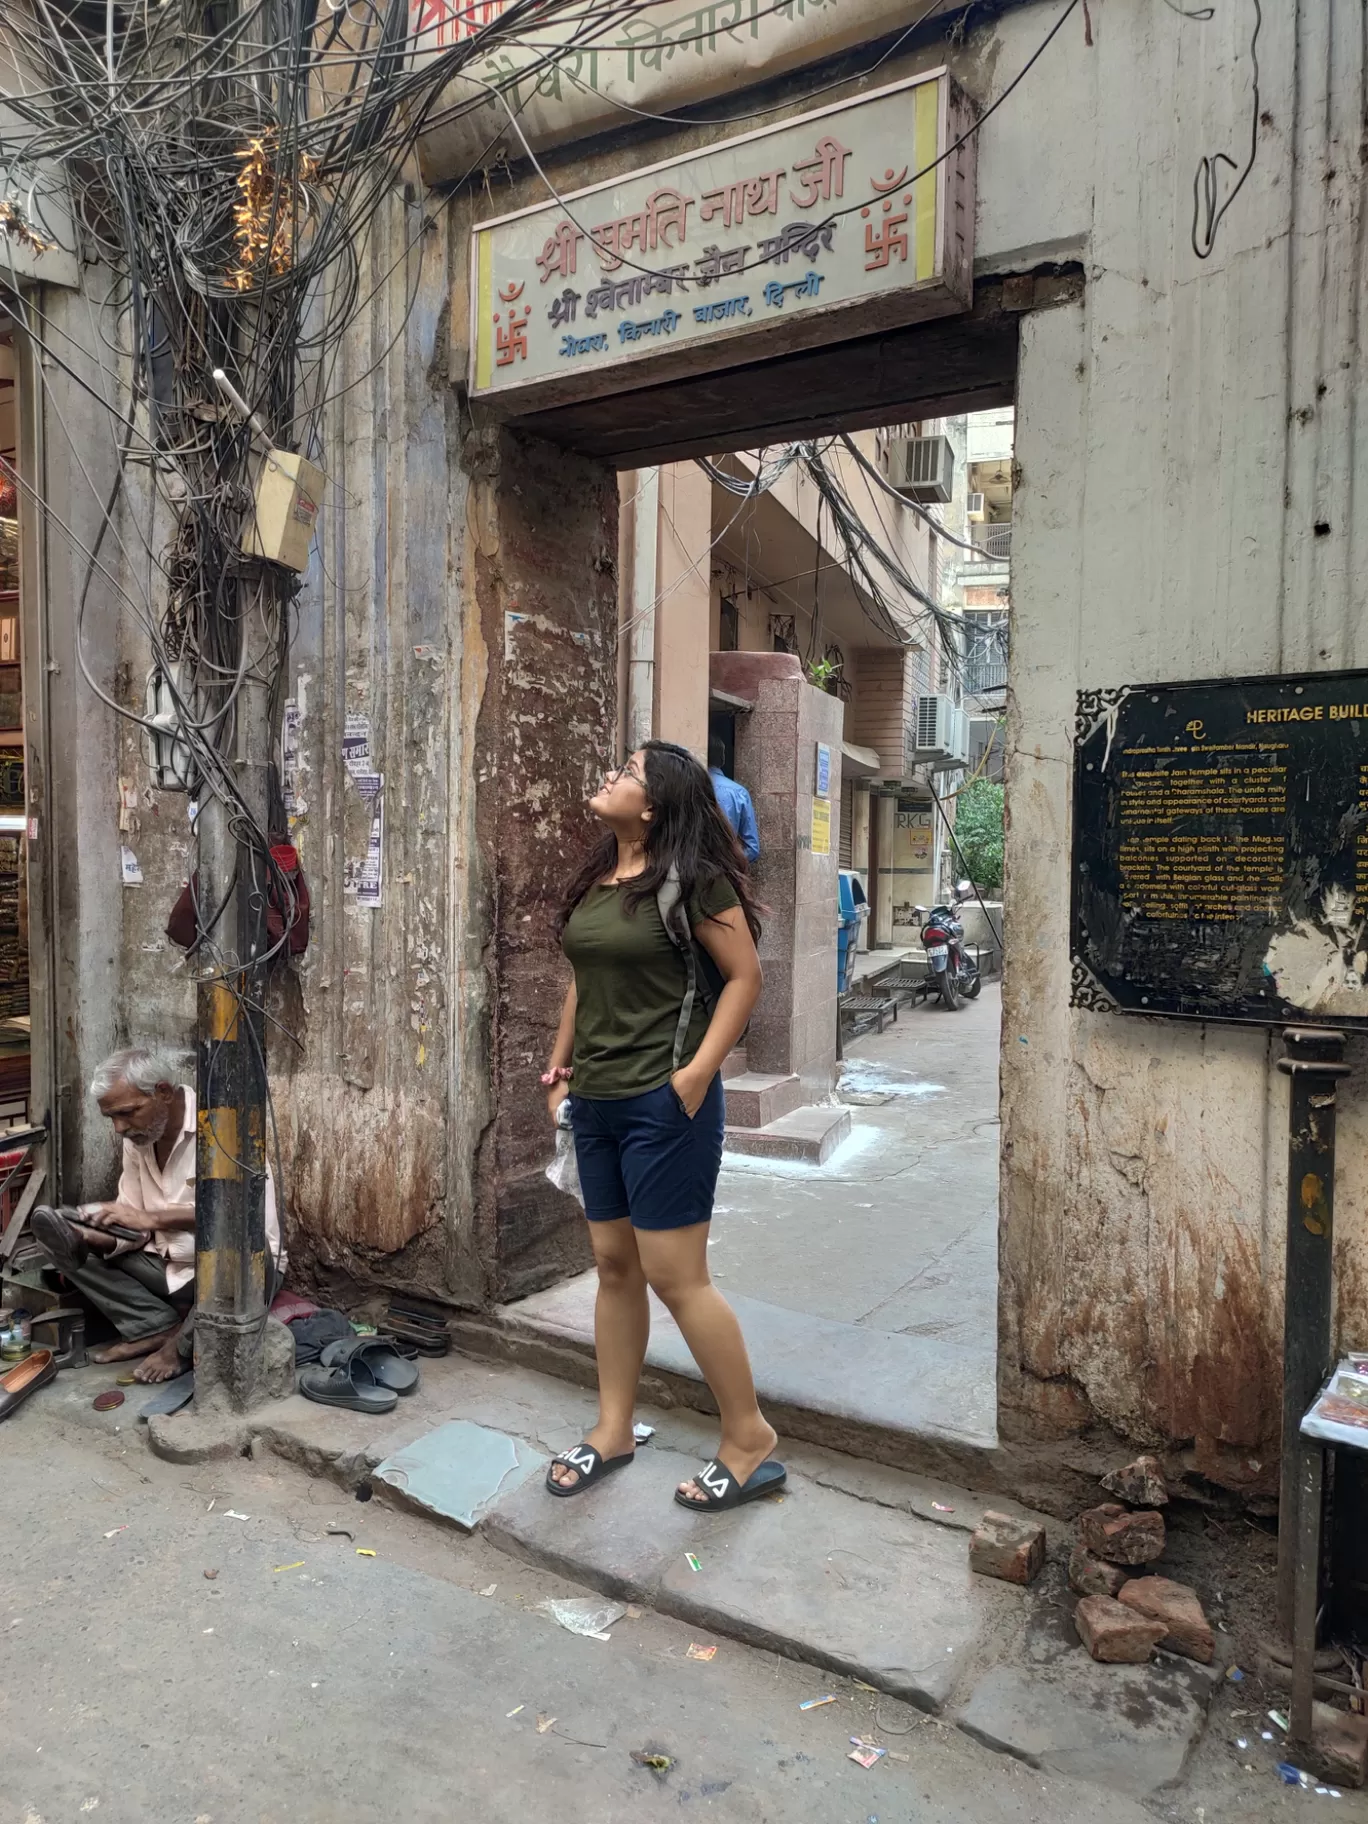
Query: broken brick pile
column 1122, row 1618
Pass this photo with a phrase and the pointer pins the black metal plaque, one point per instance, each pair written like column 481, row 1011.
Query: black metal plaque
column 1221, row 850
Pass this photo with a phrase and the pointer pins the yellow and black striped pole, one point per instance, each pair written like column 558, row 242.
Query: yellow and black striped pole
column 231, row 1263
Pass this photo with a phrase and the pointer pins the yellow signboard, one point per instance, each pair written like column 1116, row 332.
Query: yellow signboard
column 821, row 826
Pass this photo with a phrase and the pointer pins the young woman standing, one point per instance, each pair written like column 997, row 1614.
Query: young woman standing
column 640, row 1061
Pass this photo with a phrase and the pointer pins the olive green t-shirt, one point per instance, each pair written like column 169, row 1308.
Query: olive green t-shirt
column 630, row 981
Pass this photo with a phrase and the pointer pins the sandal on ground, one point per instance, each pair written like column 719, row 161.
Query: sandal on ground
column 588, row 1466
column 724, row 1492
column 350, row 1384
column 374, row 1355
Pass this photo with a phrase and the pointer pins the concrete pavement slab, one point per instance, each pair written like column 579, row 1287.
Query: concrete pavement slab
column 931, row 1389
column 817, row 1575
column 458, row 1470
column 1126, row 1727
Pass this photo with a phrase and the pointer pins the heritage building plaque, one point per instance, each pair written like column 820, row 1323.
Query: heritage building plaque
column 1221, row 850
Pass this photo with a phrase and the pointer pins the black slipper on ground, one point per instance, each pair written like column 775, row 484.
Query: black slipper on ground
column 376, row 1356
column 426, row 1339
column 724, row 1492
column 588, row 1466
column 350, row 1385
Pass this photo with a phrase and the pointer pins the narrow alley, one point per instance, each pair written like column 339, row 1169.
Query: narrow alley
column 867, row 1285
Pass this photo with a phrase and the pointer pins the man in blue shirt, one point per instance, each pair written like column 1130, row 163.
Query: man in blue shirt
column 735, row 801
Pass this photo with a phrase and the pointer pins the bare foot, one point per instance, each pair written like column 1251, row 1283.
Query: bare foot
column 741, row 1457
column 608, row 1444
column 129, row 1352
column 165, row 1365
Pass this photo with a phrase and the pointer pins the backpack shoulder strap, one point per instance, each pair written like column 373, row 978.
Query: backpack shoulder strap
column 675, row 919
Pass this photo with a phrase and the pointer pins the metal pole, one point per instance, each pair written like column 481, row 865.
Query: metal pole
column 1314, row 1060
column 230, row 1217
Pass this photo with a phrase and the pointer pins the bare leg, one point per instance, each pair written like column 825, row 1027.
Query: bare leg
column 676, row 1264
column 622, row 1324
column 167, row 1363
column 129, row 1352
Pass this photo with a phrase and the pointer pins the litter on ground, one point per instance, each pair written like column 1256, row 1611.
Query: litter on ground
column 544, row 1723
column 658, row 1763
column 697, row 1652
column 363, row 1551
column 815, row 1703
column 588, row 1615
column 298, row 1565
column 694, row 1563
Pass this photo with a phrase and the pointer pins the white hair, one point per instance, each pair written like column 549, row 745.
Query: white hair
column 140, row 1067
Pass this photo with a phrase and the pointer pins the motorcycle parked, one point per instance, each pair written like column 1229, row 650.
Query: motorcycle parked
column 951, row 971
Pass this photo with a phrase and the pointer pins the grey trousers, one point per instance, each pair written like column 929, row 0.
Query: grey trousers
column 132, row 1293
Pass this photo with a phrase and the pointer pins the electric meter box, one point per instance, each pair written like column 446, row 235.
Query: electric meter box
column 288, row 492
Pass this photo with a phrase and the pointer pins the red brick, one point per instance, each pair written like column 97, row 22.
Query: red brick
column 1093, row 1576
column 1011, row 1549
column 1115, row 1634
column 1139, row 1484
column 1120, row 1537
column 1177, row 1607
column 1340, row 1745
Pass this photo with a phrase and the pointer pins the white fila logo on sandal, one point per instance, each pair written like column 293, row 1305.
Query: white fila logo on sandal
column 717, row 1485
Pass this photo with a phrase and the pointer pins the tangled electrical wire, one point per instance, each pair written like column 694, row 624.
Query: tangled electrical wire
column 893, row 601
column 225, row 161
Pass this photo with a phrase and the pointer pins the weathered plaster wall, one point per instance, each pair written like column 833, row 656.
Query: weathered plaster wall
column 67, row 452
column 542, row 566
column 1181, row 436
column 463, row 606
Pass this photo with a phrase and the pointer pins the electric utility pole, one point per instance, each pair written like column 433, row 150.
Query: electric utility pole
column 231, row 1259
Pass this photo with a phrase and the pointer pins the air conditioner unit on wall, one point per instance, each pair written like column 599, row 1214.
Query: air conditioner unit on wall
column 974, row 509
column 942, row 732
column 922, row 468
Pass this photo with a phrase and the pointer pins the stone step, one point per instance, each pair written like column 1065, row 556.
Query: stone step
column 755, row 1100
column 735, row 1064
column 810, row 1134
column 913, row 1402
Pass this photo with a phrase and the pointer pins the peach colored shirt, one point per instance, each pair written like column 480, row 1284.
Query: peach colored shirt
column 147, row 1187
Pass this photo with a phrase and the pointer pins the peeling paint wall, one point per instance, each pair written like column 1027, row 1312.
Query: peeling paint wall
column 1191, row 472
column 364, row 1100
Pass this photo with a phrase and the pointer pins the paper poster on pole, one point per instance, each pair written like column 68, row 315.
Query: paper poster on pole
column 371, row 880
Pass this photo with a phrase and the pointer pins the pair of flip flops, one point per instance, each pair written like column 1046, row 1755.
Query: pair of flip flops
column 362, row 1373
column 423, row 1331
column 720, row 1487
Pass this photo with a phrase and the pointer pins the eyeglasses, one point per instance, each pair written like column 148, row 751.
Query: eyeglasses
column 626, row 770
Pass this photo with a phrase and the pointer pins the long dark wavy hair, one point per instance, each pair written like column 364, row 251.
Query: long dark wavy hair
column 687, row 829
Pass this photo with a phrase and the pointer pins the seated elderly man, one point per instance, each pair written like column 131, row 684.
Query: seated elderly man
column 146, row 1287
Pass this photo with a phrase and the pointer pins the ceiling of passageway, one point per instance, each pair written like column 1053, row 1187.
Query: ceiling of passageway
column 955, row 364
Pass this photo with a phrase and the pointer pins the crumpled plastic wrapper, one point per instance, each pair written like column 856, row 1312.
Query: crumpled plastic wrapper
column 584, row 1614
column 563, row 1170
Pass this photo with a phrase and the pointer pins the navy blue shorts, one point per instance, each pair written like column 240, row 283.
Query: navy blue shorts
column 642, row 1157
